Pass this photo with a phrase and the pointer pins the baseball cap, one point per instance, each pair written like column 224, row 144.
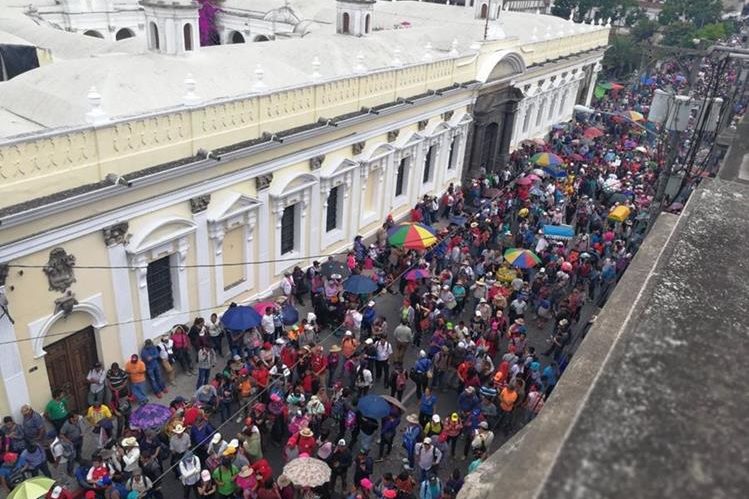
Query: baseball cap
column 342, row 443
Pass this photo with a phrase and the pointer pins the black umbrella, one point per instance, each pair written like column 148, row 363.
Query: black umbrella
column 332, row 267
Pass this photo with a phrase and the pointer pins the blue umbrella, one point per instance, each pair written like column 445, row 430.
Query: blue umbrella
column 555, row 172
column 240, row 318
column 360, row 285
column 373, row 406
column 289, row 314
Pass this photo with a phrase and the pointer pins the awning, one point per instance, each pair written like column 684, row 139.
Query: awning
column 562, row 232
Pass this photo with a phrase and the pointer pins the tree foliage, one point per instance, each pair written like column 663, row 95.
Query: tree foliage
column 623, row 56
column 697, row 12
column 583, row 9
column 643, row 30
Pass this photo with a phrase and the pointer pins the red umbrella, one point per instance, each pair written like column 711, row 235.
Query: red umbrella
column 593, row 133
column 260, row 307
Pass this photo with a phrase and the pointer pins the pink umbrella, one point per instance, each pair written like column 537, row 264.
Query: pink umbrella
column 533, row 177
column 524, row 181
column 260, row 307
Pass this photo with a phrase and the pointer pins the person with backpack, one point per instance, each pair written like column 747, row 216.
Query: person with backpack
column 398, row 381
column 427, row 457
column 411, row 436
column 431, row 488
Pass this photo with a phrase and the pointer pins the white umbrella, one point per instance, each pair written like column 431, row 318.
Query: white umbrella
column 307, row 472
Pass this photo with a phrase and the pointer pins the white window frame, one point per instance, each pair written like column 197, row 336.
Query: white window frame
column 300, row 195
column 376, row 165
column 411, row 148
column 341, row 176
column 175, row 245
column 243, row 212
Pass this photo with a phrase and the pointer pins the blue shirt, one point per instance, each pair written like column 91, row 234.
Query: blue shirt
column 150, row 356
column 427, row 404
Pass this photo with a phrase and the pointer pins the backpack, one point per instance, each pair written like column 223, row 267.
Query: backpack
column 400, row 381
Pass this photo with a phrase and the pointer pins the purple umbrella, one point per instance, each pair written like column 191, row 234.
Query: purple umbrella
column 150, row 416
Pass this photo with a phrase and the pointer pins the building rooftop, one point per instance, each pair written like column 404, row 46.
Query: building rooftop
column 132, row 81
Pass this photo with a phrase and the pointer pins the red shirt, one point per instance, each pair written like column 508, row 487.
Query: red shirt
column 261, row 376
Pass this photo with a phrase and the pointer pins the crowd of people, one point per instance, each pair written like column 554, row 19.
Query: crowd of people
column 462, row 333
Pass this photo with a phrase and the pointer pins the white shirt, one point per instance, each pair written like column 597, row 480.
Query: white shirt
column 267, row 324
column 97, row 379
column 365, row 379
column 189, row 470
column 384, row 350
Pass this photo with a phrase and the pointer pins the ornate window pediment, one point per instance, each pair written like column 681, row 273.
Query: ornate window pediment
column 228, row 205
column 159, row 232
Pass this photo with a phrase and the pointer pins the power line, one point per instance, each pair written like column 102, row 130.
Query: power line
column 186, row 266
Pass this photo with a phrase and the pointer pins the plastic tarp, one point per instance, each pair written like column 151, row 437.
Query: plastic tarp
column 562, row 232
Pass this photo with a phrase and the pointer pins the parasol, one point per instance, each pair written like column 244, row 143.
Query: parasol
column 262, row 306
column 373, row 406
column 240, row 318
column 360, row 285
column 289, row 314
column 546, row 159
column 32, row 488
column 633, row 115
column 593, row 133
column 555, row 172
column 619, row 214
column 523, row 181
column 521, row 258
column 412, row 236
column 150, row 416
column 332, row 267
column 415, row 274
column 394, row 402
column 307, row 472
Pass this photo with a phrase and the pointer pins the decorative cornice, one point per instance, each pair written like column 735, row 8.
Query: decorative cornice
column 116, row 234
column 393, row 135
column 316, row 162
column 199, row 203
column 358, row 147
column 263, row 181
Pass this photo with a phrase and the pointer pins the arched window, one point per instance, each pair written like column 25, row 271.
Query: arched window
column 236, row 37
column 154, row 35
column 484, row 11
column 123, row 34
column 187, row 35
column 93, row 33
column 366, row 24
column 345, row 23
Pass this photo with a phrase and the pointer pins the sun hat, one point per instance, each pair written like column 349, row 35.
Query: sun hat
column 246, row 471
column 484, row 425
column 178, row 429
column 216, row 438
column 306, row 432
column 412, row 418
column 132, row 442
column 283, row 481
column 234, row 443
column 436, row 418
column 335, row 349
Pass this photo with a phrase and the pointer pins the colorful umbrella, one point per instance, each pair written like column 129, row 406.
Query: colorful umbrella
column 240, row 318
column 307, row 472
column 546, row 159
column 150, row 416
column 522, row 258
column 524, row 181
column 260, row 307
column 32, row 488
column 633, row 115
column 373, row 406
column 593, row 133
column 412, row 236
column 360, row 285
column 416, row 274
column 333, row 267
column 555, row 172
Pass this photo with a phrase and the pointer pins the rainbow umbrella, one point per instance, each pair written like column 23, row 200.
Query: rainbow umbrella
column 522, row 258
column 412, row 236
column 546, row 159
column 633, row 115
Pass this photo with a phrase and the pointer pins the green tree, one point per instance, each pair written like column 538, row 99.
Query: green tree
column 711, row 32
column 623, row 56
column 615, row 9
column 697, row 12
column 643, row 30
column 679, row 34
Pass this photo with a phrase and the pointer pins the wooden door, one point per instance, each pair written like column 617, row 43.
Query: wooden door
column 68, row 362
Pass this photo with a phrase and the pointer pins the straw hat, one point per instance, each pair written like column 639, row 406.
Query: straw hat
column 178, row 429
column 412, row 418
column 335, row 348
column 306, row 432
column 131, row 441
column 283, row 481
column 246, row 471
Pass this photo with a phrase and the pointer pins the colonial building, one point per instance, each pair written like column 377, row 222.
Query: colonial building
column 141, row 188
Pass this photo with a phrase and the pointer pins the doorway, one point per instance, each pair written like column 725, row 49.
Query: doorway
column 68, row 362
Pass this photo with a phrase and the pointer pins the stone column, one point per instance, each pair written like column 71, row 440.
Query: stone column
column 507, row 133
column 264, row 254
column 198, row 207
column 115, row 237
column 11, row 369
column 592, row 83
